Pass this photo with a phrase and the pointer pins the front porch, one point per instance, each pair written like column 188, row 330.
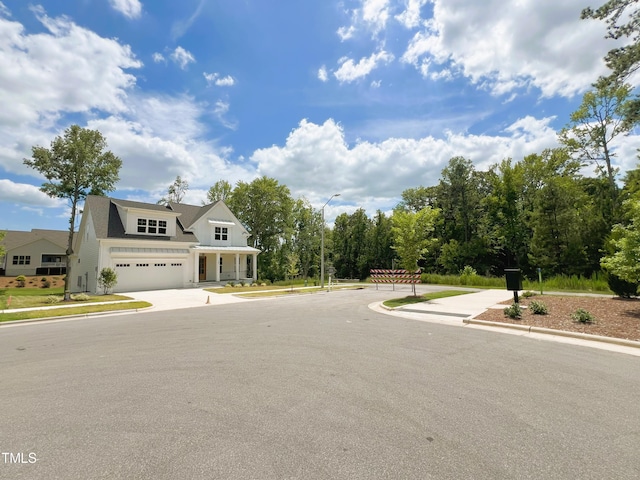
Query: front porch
column 214, row 265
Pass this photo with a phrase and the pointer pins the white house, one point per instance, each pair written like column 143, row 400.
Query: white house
column 154, row 247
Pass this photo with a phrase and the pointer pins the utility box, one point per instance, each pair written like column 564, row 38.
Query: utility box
column 514, row 279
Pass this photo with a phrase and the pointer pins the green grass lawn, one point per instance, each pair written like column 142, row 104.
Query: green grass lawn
column 399, row 302
column 31, row 297
column 81, row 309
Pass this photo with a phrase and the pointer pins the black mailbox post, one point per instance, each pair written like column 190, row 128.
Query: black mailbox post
column 514, row 281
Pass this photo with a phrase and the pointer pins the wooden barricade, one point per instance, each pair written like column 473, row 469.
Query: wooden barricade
column 379, row 275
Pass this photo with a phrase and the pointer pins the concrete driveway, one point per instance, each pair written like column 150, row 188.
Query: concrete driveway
column 183, row 298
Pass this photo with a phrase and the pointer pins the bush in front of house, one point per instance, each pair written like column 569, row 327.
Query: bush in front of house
column 108, row 279
column 21, row 279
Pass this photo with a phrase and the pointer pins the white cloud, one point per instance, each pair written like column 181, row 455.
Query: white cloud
column 180, row 27
column 375, row 13
column 218, row 81
column 182, row 57
column 505, row 46
column 64, row 69
column 26, row 194
column 410, row 17
column 322, row 74
column 316, row 159
column 158, row 57
column 162, row 137
column 376, row 84
column 129, row 8
column 4, row 11
column 350, row 71
column 345, row 33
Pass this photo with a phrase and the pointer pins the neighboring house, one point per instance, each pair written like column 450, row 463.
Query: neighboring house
column 38, row 252
column 154, row 247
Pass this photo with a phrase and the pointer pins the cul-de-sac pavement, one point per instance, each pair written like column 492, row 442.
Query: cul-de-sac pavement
column 309, row 387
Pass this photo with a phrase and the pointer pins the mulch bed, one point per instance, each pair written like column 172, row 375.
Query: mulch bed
column 615, row 317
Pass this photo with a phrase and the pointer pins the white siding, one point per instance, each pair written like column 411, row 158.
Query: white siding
column 87, row 264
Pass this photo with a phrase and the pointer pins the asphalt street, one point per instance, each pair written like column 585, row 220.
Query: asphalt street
column 308, row 387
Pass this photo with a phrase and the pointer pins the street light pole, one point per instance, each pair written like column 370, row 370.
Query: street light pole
column 322, row 242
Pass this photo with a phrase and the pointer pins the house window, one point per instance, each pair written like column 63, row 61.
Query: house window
column 221, row 233
column 51, row 259
column 151, row 226
column 22, row 259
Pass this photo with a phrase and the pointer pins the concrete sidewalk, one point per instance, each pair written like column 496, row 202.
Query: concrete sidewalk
column 459, row 307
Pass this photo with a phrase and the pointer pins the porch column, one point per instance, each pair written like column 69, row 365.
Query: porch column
column 196, row 267
column 217, row 266
column 237, row 266
column 254, row 264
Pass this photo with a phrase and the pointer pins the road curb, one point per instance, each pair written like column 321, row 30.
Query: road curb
column 550, row 331
column 77, row 316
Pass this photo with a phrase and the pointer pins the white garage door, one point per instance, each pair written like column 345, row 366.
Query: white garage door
column 148, row 274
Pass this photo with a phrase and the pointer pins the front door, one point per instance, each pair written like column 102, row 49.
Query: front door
column 202, row 269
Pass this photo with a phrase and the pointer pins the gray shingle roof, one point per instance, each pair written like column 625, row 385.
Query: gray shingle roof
column 17, row 238
column 107, row 222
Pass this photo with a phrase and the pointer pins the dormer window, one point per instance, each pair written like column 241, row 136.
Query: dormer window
column 221, row 233
column 152, row 226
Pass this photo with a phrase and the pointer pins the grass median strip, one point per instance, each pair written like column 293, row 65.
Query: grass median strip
column 77, row 310
column 399, row 302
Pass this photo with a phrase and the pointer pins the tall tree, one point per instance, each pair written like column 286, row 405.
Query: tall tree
column 175, row 192
column 412, row 235
column 623, row 22
column 350, row 237
column 594, row 126
column 265, row 208
column 221, row 190
column 626, row 243
column 76, row 165
column 506, row 228
column 306, row 241
column 380, row 242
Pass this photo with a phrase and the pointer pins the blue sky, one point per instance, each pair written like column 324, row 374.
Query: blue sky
column 360, row 97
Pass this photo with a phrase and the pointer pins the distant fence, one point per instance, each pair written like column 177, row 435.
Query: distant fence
column 378, row 275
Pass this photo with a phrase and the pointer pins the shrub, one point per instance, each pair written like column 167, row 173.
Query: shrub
column 21, row 279
column 108, row 279
column 46, row 284
column 80, row 297
column 622, row 288
column 43, row 279
column 528, row 294
column 514, row 311
column 467, row 271
column 52, row 299
column 538, row 308
column 229, row 284
column 583, row 316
